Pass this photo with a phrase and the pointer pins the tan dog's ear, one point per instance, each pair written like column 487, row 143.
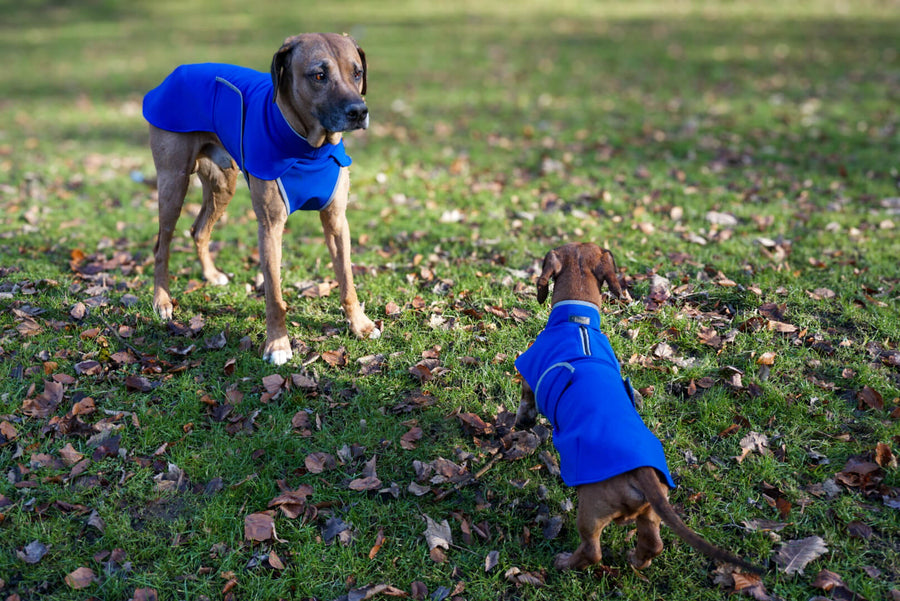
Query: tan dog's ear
column 280, row 62
column 552, row 267
column 362, row 57
column 606, row 271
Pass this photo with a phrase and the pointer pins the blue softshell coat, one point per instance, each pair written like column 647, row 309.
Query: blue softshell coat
column 578, row 386
column 236, row 104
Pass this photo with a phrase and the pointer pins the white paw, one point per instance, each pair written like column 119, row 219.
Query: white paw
column 375, row 334
column 165, row 311
column 278, row 357
column 218, row 279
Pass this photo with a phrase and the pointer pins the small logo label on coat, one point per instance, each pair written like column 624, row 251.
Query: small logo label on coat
column 585, row 321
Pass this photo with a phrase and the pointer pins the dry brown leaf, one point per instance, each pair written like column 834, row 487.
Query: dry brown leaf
column 80, row 578
column 827, row 580
column 782, row 327
column 884, row 456
column 84, row 407
column 336, row 358
column 474, row 425
column 273, row 383
column 275, row 561
column 408, row 440
column 366, row 483
column 7, row 432
column 869, row 397
column 437, row 534
column 754, row 441
column 795, row 555
column 491, row 560
column 260, row 526
column 518, row 577
column 379, row 541
column 316, row 463
column 767, row 358
column 46, row 403
column 145, row 594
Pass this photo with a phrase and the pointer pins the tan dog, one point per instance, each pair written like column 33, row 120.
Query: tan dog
column 314, row 93
column 605, row 450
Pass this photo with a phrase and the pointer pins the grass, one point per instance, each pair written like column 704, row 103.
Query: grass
column 621, row 123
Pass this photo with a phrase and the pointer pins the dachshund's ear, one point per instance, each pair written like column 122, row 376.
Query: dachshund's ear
column 280, row 61
column 605, row 270
column 552, row 267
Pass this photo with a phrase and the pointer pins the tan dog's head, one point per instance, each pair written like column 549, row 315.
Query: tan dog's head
column 319, row 80
column 578, row 272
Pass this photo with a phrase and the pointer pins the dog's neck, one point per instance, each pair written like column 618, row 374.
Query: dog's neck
column 585, row 303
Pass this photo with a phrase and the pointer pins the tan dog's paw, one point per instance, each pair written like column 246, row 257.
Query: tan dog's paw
column 216, row 278
column 562, row 561
column 365, row 328
column 278, row 353
column 163, row 305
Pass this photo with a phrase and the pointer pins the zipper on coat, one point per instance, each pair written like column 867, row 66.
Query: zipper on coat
column 585, row 340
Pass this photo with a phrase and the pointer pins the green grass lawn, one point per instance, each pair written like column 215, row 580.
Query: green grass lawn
column 747, row 152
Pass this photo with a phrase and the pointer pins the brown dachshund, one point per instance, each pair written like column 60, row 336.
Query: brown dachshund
column 571, row 376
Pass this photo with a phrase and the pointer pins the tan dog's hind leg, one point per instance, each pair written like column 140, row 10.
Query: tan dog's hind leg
column 271, row 216
column 218, row 174
column 337, row 238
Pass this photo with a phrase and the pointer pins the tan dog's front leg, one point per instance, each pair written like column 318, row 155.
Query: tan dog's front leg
column 337, row 238
column 526, row 414
column 271, row 216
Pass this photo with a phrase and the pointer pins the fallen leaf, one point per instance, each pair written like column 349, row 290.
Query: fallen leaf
column 751, row 585
column 795, row 555
column 474, row 425
column 275, row 561
column 437, row 534
column 273, row 383
column 371, row 364
column 518, row 577
column 337, row 358
column 857, row 529
column 884, row 456
column 293, row 502
column 33, row 552
column 145, row 594
column 365, row 483
column 316, row 463
column 767, row 358
column 80, row 578
column 46, row 403
column 7, row 432
column 491, row 560
column 869, row 397
column 379, row 541
column 335, row 527
column 260, row 526
column 408, row 440
column 760, row 525
column 754, row 441
column 828, row 580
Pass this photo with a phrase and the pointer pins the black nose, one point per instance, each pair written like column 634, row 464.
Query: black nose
column 356, row 112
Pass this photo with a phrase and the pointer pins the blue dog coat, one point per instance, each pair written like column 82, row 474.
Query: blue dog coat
column 236, row 104
column 578, row 386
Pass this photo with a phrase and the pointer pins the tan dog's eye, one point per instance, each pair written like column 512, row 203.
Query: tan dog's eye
column 357, row 74
column 318, row 76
